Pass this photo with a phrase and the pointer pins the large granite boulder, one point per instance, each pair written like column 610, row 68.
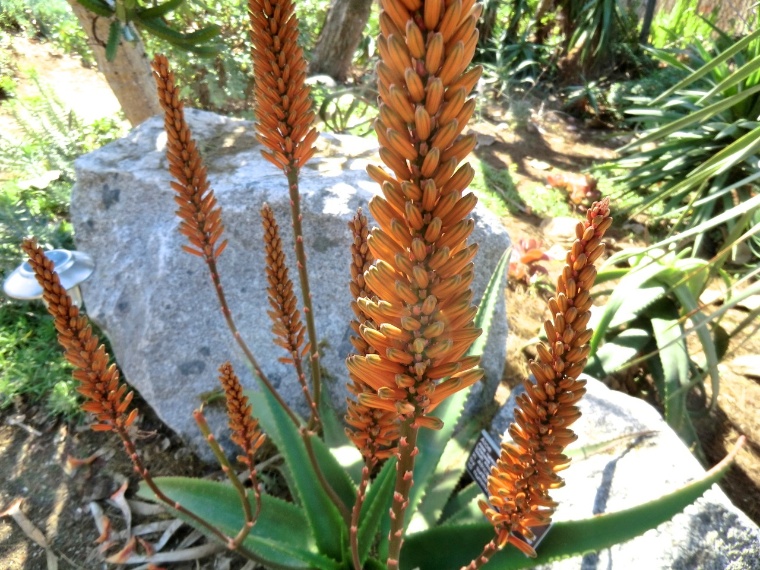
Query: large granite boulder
column 632, row 456
column 156, row 303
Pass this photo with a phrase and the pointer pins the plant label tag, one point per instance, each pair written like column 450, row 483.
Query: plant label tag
column 483, row 457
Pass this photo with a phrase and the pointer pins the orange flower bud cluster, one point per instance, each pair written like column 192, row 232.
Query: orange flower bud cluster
column 288, row 328
column 283, row 106
column 245, row 429
column 107, row 399
column 420, row 322
column 527, row 469
column 199, row 212
column 374, row 431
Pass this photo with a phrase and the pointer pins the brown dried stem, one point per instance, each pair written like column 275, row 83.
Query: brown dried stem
column 199, row 212
column 520, row 482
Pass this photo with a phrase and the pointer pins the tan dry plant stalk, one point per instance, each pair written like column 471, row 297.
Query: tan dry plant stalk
column 421, row 325
column 287, row 326
column 284, row 117
column 199, row 212
column 520, row 482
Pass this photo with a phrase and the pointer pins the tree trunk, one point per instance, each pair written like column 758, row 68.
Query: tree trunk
column 647, row 23
column 129, row 74
column 487, row 23
column 339, row 38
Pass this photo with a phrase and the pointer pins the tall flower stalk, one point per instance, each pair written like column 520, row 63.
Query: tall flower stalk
column 420, row 325
column 374, row 431
column 284, row 118
column 199, row 212
column 105, row 396
column 520, row 482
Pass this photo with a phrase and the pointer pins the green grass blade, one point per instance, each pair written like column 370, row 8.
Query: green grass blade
column 724, row 217
column 708, row 67
column 451, row 547
column 280, row 536
column 734, row 79
column 692, row 119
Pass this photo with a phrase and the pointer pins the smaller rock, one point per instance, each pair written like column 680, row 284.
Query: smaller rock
column 627, row 455
column 560, row 229
column 747, row 365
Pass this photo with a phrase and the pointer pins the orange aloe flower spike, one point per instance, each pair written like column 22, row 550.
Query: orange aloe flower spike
column 520, row 482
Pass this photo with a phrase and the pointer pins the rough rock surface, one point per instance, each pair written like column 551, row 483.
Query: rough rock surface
column 156, row 303
column 646, row 461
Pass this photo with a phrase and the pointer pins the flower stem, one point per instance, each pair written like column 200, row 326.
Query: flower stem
column 295, row 210
column 354, row 529
column 404, row 470
column 306, row 435
column 241, row 342
column 485, row 555
column 250, row 517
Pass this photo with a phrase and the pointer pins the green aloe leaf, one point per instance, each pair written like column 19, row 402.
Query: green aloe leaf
column 334, row 472
column 709, row 66
column 114, row 36
column 445, row 479
column 617, row 352
column 622, row 294
column 463, row 508
column 451, row 547
column 98, row 7
column 160, row 10
column 323, row 516
column 376, row 506
column 342, row 448
column 671, row 371
column 692, row 308
column 280, row 538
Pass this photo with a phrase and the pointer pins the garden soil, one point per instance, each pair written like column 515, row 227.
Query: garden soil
column 41, row 459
